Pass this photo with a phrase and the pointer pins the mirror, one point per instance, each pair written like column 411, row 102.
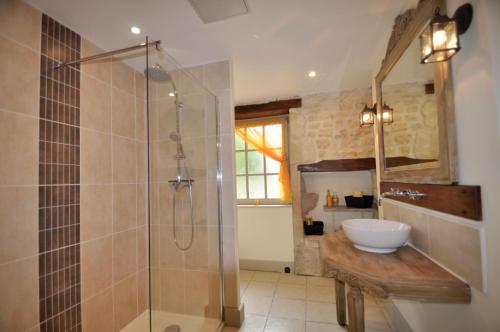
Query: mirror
column 418, row 145
column 412, row 137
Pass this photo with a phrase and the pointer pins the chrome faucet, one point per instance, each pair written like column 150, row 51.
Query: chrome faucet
column 411, row 194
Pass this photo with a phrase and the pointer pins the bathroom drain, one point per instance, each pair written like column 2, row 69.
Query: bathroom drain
column 173, row 328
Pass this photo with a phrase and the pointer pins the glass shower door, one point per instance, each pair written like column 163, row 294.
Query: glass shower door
column 185, row 282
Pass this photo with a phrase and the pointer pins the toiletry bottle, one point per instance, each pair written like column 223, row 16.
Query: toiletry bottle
column 335, row 199
column 329, row 199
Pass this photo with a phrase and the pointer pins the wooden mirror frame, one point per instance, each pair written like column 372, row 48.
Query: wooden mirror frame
column 406, row 28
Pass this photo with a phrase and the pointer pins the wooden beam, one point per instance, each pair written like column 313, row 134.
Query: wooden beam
column 273, row 108
column 462, row 201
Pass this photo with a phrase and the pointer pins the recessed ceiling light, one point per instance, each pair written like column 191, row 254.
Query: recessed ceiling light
column 171, row 94
column 135, row 30
column 312, row 74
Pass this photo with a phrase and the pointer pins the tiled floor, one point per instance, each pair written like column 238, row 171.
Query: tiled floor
column 278, row 302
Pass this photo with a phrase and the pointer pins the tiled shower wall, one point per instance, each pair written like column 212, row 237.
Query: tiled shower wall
column 110, row 284
column 113, row 193
column 59, row 179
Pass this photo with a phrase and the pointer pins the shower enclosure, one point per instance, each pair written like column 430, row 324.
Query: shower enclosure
column 183, row 182
column 185, row 251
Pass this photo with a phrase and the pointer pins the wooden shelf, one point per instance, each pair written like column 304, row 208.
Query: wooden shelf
column 339, row 165
column 343, row 208
column 358, row 164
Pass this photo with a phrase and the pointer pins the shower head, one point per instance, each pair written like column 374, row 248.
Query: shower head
column 175, row 136
column 158, row 74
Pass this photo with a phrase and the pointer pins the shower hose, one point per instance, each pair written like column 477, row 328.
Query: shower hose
column 179, row 246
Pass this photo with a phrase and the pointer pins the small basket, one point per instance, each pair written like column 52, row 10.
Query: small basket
column 315, row 229
column 364, row 202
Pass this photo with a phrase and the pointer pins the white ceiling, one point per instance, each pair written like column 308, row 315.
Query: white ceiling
column 272, row 48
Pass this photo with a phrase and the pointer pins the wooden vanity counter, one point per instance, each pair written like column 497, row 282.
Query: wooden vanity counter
column 404, row 274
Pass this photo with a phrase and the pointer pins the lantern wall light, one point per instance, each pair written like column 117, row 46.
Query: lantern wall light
column 367, row 116
column 440, row 40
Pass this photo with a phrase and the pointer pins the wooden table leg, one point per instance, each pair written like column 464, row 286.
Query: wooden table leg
column 341, row 305
column 355, row 305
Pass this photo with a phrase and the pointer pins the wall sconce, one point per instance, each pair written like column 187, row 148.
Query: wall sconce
column 387, row 114
column 367, row 116
column 440, row 39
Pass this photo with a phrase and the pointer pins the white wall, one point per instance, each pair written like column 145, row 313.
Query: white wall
column 476, row 80
column 265, row 233
column 343, row 183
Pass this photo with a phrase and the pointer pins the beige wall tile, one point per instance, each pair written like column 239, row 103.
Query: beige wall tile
column 197, row 292
column 419, row 222
column 142, row 291
column 124, row 254
column 196, row 258
column 122, row 77
column 124, row 302
column 19, row 305
column 142, row 247
column 124, row 207
column 391, row 211
column 140, row 119
column 96, row 266
column 140, row 86
column 457, row 247
column 142, row 204
column 97, row 312
column 170, row 256
column 19, row 147
column 156, row 289
column 18, row 222
column 172, row 285
column 21, row 22
column 123, row 113
column 124, row 160
column 100, row 69
column 20, row 71
column 95, row 104
column 95, row 211
column 95, row 157
column 142, row 168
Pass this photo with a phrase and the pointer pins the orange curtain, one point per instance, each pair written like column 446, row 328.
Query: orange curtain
column 274, row 150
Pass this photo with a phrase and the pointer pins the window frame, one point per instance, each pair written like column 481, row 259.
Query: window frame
column 262, row 201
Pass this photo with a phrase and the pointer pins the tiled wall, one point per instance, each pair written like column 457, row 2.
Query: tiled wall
column 452, row 241
column 59, row 179
column 20, row 37
column 112, row 179
column 113, row 193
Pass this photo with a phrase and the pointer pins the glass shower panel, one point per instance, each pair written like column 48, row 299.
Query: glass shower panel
column 185, row 285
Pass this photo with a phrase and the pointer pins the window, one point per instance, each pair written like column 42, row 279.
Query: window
column 257, row 175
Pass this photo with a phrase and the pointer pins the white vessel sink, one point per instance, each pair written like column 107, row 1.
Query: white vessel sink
column 376, row 235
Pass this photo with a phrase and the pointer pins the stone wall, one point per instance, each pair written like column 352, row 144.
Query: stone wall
column 414, row 132
column 325, row 127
